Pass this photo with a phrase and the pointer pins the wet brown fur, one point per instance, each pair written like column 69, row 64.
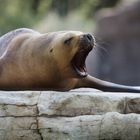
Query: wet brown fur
column 33, row 61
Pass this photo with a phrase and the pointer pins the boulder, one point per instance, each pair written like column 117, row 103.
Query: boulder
column 82, row 114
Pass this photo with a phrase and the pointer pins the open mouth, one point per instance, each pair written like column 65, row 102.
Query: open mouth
column 78, row 61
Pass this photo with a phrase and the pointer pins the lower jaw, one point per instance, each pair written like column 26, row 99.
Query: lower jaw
column 79, row 73
column 82, row 74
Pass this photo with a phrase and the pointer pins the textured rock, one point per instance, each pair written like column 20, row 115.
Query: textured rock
column 19, row 128
column 82, row 114
column 111, row 126
column 132, row 105
column 77, row 103
column 18, row 103
column 70, row 128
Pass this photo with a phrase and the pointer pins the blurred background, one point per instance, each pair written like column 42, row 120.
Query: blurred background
column 114, row 23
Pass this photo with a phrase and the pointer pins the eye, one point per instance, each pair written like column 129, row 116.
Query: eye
column 68, row 41
column 51, row 50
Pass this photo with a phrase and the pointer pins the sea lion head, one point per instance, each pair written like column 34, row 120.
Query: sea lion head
column 70, row 49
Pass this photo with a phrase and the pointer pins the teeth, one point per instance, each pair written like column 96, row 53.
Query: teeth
column 81, row 73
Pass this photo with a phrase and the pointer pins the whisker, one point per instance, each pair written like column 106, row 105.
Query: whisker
column 99, row 53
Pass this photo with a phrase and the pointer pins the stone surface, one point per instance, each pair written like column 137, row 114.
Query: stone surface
column 19, row 128
column 111, row 126
column 82, row 114
column 18, row 103
column 91, row 102
column 118, row 51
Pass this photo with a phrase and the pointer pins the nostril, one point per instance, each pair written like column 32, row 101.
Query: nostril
column 89, row 37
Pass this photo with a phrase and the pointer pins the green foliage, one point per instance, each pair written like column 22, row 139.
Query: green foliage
column 27, row 13
column 16, row 14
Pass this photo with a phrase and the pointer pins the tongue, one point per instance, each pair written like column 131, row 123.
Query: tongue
column 81, row 68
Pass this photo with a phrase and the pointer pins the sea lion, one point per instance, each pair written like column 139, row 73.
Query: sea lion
column 52, row 61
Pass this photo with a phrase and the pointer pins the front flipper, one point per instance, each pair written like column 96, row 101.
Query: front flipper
column 92, row 82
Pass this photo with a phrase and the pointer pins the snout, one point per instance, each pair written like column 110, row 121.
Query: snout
column 89, row 38
column 87, row 41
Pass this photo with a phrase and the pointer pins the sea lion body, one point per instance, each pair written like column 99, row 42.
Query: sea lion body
column 52, row 61
column 27, row 62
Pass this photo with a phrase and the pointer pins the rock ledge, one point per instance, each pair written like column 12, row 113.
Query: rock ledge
column 82, row 114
